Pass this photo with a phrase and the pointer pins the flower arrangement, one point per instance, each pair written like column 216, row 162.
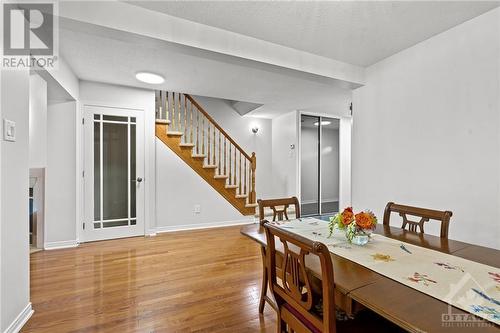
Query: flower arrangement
column 360, row 224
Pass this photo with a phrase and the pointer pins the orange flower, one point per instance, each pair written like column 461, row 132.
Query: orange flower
column 365, row 220
column 347, row 216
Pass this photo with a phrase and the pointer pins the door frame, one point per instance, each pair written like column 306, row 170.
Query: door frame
column 149, row 158
column 345, row 144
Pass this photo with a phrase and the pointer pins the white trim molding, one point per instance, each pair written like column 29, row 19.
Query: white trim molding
column 60, row 245
column 196, row 226
column 20, row 320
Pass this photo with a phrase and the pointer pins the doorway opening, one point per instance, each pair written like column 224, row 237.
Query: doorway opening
column 36, row 209
column 320, row 165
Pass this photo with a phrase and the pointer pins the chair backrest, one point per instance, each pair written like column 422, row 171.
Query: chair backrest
column 294, row 295
column 279, row 208
column 424, row 214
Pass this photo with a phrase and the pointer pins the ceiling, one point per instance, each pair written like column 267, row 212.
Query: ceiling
column 356, row 32
column 359, row 33
column 97, row 54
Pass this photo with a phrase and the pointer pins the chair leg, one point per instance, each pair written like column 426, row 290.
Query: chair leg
column 263, row 290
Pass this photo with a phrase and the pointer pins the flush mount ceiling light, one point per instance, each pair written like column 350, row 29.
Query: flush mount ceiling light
column 323, row 123
column 148, row 77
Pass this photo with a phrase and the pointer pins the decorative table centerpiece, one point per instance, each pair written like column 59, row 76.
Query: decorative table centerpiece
column 357, row 227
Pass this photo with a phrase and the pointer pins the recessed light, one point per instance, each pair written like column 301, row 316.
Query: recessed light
column 148, row 77
column 323, row 123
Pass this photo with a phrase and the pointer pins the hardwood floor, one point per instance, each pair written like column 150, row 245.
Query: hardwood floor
column 192, row 281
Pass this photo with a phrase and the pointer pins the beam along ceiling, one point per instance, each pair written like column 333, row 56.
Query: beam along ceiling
column 356, row 32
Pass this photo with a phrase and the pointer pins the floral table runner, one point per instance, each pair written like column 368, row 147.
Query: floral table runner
column 465, row 284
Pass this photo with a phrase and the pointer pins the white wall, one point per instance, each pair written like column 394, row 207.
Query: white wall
column 179, row 188
column 340, row 100
column 60, row 184
column 426, row 130
column 284, row 157
column 126, row 97
column 1, row 201
column 37, row 122
column 14, row 168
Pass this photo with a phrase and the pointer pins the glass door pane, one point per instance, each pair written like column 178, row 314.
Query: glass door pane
column 329, row 165
column 309, row 178
column 114, row 171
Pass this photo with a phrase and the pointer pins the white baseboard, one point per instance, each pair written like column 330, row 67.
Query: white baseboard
column 203, row 225
column 20, row 320
column 60, row 245
column 150, row 233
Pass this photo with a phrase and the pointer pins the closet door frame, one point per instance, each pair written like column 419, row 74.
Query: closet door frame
column 345, row 130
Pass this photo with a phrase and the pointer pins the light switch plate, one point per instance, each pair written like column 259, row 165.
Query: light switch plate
column 9, row 130
column 197, row 209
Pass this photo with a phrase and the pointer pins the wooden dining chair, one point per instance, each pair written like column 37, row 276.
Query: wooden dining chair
column 423, row 213
column 279, row 207
column 280, row 211
column 295, row 301
column 301, row 305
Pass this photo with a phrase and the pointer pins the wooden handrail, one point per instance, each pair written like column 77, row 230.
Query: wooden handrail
column 198, row 106
column 233, row 162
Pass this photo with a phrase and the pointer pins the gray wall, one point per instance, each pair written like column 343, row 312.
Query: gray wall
column 14, row 199
column 284, row 158
column 427, row 130
column 60, row 190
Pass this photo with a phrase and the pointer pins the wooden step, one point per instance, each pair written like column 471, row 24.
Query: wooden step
column 210, row 173
column 251, row 205
column 241, row 196
column 163, row 121
column 186, row 145
column 231, row 186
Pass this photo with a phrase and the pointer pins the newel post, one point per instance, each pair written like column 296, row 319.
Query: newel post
column 253, row 196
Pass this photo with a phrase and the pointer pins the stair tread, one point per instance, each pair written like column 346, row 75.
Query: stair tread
column 241, row 196
column 186, row 144
column 231, row 186
column 198, row 155
column 209, row 166
column 251, row 205
column 173, row 133
column 221, row 176
column 162, row 121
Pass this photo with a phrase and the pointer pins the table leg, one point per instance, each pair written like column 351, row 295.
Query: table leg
column 263, row 290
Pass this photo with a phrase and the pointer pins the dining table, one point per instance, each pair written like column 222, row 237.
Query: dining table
column 358, row 287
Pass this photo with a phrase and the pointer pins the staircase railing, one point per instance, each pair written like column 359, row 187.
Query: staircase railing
column 184, row 115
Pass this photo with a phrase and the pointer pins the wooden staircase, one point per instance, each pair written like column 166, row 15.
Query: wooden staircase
column 189, row 131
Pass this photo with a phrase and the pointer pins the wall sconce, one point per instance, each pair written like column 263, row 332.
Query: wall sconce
column 255, row 129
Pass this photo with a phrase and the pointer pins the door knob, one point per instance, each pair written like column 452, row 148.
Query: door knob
column 139, row 179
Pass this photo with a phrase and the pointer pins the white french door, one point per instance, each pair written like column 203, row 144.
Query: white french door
column 114, row 172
